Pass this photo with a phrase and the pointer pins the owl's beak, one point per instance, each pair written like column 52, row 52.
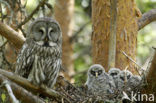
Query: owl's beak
column 96, row 74
column 46, row 43
column 46, row 39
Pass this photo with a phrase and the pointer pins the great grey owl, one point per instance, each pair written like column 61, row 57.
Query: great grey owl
column 123, row 78
column 40, row 57
column 134, row 82
column 114, row 73
column 98, row 81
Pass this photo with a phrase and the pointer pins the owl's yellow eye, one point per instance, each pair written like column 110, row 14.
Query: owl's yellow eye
column 122, row 78
column 113, row 74
column 93, row 72
column 99, row 72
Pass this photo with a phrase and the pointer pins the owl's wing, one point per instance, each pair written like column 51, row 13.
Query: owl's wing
column 24, row 61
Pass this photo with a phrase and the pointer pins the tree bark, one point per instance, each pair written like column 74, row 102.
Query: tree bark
column 64, row 10
column 147, row 18
column 126, row 33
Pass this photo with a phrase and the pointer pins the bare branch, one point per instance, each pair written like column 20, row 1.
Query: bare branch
column 11, row 12
column 11, row 35
column 26, row 84
column 151, row 74
column 31, row 15
column 147, row 18
column 21, row 92
column 133, row 62
column 112, row 39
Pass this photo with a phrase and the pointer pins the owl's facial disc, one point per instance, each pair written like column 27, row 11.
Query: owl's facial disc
column 114, row 74
column 96, row 73
column 45, row 33
column 53, row 34
column 45, row 37
column 122, row 78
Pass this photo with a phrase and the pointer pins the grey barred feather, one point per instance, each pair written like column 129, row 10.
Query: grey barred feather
column 123, row 78
column 134, row 82
column 40, row 57
column 99, row 82
column 114, row 73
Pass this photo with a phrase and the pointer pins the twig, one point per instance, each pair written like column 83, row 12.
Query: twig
column 133, row 62
column 147, row 18
column 112, row 39
column 67, row 94
column 21, row 93
column 125, row 74
column 23, row 31
column 49, row 6
column 11, row 14
column 10, row 92
column 33, row 12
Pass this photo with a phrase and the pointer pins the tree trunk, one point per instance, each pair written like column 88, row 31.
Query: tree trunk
column 126, row 33
column 64, row 10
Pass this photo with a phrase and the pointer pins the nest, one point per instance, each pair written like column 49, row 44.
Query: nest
column 79, row 94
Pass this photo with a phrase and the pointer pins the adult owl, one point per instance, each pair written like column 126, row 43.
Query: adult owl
column 114, row 73
column 98, row 81
column 40, row 57
column 123, row 78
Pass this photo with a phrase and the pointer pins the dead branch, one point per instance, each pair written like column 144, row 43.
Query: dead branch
column 133, row 62
column 33, row 12
column 27, row 85
column 21, row 93
column 11, row 35
column 147, row 18
column 151, row 76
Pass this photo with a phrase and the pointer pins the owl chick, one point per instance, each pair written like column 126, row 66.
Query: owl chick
column 40, row 57
column 98, row 81
column 123, row 78
column 134, row 82
column 114, row 73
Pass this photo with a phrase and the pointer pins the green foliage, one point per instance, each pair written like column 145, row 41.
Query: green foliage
column 146, row 5
column 146, row 36
column 146, row 40
column 3, row 97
